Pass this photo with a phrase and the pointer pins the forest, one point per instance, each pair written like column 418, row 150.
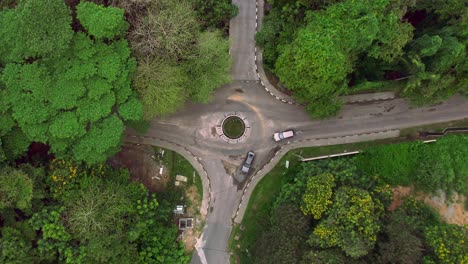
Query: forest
column 323, row 49
column 338, row 210
column 73, row 75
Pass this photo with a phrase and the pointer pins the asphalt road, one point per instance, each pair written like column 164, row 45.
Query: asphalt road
column 194, row 128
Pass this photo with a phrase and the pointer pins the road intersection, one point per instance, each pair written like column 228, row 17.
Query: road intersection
column 192, row 132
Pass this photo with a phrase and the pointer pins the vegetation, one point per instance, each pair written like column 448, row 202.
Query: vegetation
column 75, row 94
column 179, row 59
column 79, row 214
column 350, row 221
column 430, row 167
column 69, row 83
column 233, row 127
column 323, row 49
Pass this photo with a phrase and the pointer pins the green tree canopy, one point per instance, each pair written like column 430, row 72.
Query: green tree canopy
column 318, row 194
column 101, row 22
column 168, row 30
column 316, row 64
column 16, row 189
column 208, row 67
column 214, row 13
column 34, row 29
column 352, row 223
column 161, row 87
column 14, row 248
column 448, row 243
column 70, row 99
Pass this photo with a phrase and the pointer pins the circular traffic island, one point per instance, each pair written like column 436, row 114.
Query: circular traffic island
column 233, row 127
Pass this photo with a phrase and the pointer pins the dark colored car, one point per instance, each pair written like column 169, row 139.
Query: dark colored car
column 248, row 162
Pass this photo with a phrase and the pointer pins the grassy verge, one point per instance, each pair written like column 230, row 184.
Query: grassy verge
column 176, row 164
column 256, row 217
column 189, row 194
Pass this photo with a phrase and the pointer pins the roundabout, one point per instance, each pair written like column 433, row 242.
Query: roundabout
column 233, row 128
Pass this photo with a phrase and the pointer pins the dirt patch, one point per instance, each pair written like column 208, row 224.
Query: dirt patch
column 190, row 239
column 195, row 202
column 143, row 166
column 229, row 167
column 190, row 236
column 399, row 194
column 451, row 212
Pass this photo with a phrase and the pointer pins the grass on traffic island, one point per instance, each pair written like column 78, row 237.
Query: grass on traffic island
column 256, row 217
column 233, row 127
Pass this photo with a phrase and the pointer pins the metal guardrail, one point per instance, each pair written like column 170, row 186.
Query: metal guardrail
column 445, row 131
column 332, row 156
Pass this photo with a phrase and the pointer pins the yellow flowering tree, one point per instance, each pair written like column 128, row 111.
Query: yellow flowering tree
column 318, row 194
column 352, row 223
column 448, row 243
column 63, row 175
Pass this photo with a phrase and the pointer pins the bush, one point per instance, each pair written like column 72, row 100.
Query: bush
column 395, row 163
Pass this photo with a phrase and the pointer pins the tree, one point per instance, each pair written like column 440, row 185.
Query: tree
column 215, row 13
column 317, row 196
column 168, row 31
column 401, row 244
column 97, row 209
column 54, row 240
column 16, row 189
column 352, row 223
column 161, row 87
column 448, row 243
column 436, row 64
column 101, row 22
column 14, row 248
column 34, row 29
column 325, row 256
column 156, row 241
column 71, row 101
column 284, row 242
column 131, row 110
column 208, row 67
column 316, row 64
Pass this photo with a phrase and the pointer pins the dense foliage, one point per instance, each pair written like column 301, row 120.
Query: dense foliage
column 181, row 53
column 65, row 85
column 66, row 69
column 352, row 221
column 441, row 165
column 68, row 89
column 323, row 49
column 68, row 213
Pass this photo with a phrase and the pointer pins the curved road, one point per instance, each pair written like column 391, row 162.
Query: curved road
column 192, row 132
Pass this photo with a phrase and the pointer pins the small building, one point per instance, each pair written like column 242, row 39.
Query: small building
column 185, row 223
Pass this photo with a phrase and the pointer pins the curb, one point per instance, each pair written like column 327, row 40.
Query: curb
column 259, row 60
